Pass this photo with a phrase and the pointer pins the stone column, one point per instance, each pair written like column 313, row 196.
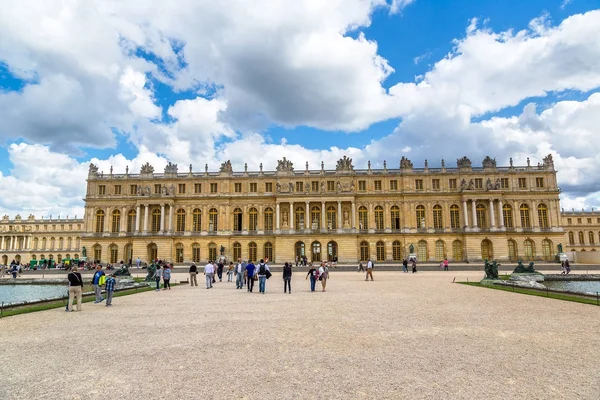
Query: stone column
column 277, row 216
column 171, row 207
column 138, row 217
column 10, row 244
column 162, row 218
column 500, row 213
column 517, row 214
column 204, row 221
column 535, row 220
column 292, row 215
column 146, row 212
column 2, row 243
column 492, row 214
column 307, row 220
column 474, row 212
column 124, row 220
column 339, row 215
column 353, row 215
column 323, row 216
column 465, row 213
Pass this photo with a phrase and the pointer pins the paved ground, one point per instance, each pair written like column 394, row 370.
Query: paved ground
column 402, row 336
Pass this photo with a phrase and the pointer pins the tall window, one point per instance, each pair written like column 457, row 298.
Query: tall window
column 331, row 186
column 379, row 217
column 315, row 217
column 268, row 251
column 435, row 184
column 507, row 216
column 269, row 187
column 156, row 220
column 196, row 252
column 419, row 184
column 253, row 187
column 268, row 219
column 581, row 239
column 314, row 186
column 439, row 250
column 99, row 221
column 332, row 251
column 300, row 218
column 181, row 190
column 380, row 251
column 252, row 252
column 522, row 183
column 539, row 182
column 362, row 186
column 512, row 250
column 237, row 251
column 179, row 253
column 395, row 214
column 117, row 189
column 363, row 218
column 377, row 185
column 316, row 251
column 213, row 188
column 543, row 215
column 571, row 238
column 591, row 237
column 253, row 219
column 237, row 219
column 197, row 188
column 364, row 250
column 299, row 186
column 131, row 221
column 457, row 250
column 116, row 221
column 422, row 251
column 180, row 225
column 212, row 252
column 487, row 252
column 438, row 222
column 547, row 249
column 237, row 187
column 480, row 211
column 529, row 249
column 213, row 220
column 396, row 251
column 525, row 218
column 196, row 220
column 394, row 185
column 102, row 189
column 97, row 253
column 331, row 218
column 420, row 214
column 454, row 217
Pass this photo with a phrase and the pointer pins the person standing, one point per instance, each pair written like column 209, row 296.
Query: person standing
column 287, row 277
column 414, row 265
column 323, row 275
column 446, row 264
column 405, row 265
column 230, row 272
column 209, row 272
column 75, row 288
column 312, row 274
column 167, row 277
column 263, row 273
column 369, row 270
column 110, row 289
column 239, row 274
column 250, row 274
column 97, row 283
column 193, row 275
column 138, row 262
column 158, row 276
column 220, row 270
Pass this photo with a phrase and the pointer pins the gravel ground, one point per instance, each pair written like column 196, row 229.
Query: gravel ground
column 413, row 336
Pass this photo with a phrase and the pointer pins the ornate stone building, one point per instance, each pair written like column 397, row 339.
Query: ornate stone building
column 463, row 213
column 24, row 240
column 582, row 231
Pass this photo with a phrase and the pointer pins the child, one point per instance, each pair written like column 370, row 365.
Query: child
column 110, row 289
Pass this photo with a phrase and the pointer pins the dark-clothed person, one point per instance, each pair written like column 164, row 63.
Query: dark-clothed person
column 287, row 278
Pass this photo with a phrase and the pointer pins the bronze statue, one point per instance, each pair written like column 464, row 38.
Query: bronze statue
column 521, row 269
column 411, row 248
column 151, row 271
column 490, row 269
column 123, row 271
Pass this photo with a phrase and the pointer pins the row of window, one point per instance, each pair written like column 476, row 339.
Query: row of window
column 52, row 244
column 581, row 238
column 580, row 221
column 315, row 186
column 37, row 228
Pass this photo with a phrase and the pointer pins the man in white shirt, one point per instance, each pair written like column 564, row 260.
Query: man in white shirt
column 369, row 270
column 209, row 272
column 239, row 274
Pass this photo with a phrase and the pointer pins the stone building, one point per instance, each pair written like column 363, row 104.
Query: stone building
column 582, row 230
column 464, row 213
column 24, row 240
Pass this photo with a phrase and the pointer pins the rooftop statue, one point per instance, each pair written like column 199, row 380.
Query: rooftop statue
column 93, row 170
column 463, row 162
column 147, row 169
column 285, row 165
column 226, row 167
column 344, row 164
column 549, row 162
column 171, row 168
column 489, row 162
column 405, row 163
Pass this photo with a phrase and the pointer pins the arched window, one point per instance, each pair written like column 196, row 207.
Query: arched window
column 379, row 218
column 77, row 242
column 512, row 250
column 529, row 249
column 252, row 252
column 487, row 250
column 525, row 217
column 299, row 221
column 97, row 253
column 299, row 247
column 380, row 251
column 114, row 254
column 44, row 243
column 591, row 237
column 543, row 215
column 116, row 221
column 69, row 243
column 547, row 249
column 315, row 218
column 438, row 222
column 131, row 221
column 156, row 220
column 180, row 225
column 35, row 243
column 454, row 217
column 152, row 252
column 237, row 251
column 316, row 251
column 58, row 258
column 364, row 251
column 507, row 215
column 268, row 251
column 196, row 220
column 581, row 238
column 571, row 238
column 269, row 219
column 196, row 252
column 331, row 218
column 395, row 215
column 422, row 254
column 439, row 250
column 396, row 251
column 480, row 211
column 457, row 250
column 237, row 219
column 99, row 221
column 212, row 252
column 420, row 214
column 179, row 253
column 52, row 243
column 332, row 251
column 128, row 253
column 61, row 242
column 213, row 220
column 363, row 218
column 252, row 219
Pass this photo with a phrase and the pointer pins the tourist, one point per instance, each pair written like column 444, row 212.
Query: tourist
column 14, row 271
column 263, row 273
column 446, row 264
column 220, row 270
column 312, row 274
column 110, row 289
column 250, row 275
column 97, row 282
column 405, row 265
column 209, row 272
column 138, row 262
column 230, row 272
column 157, row 277
column 287, row 277
column 369, row 270
column 323, row 275
column 361, row 268
column 567, row 266
column 239, row 274
column 414, row 265
column 167, row 277
column 193, row 275
column 75, row 289
column 296, row 261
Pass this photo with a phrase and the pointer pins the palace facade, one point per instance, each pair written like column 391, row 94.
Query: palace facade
column 465, row 213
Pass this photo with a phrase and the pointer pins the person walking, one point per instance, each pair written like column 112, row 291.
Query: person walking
column 110, row 289
column 264, row 273
column 369, row 270
column 138, row 262
column 158, row 274
column 209, row 272
column 97, row 282
column 405, row 265
column 220, row 270
column 250, row 275
column 323, row 275
column 414, row 265
column 287, row 277
column 230, row 272
column 361, row 267
column 167, row 277
column 75, row 288
column 312, row 274
column 446, row 264
column 193, row 275
column 239, row 274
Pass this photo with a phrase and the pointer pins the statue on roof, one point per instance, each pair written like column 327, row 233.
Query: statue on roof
column 405, row 163
column 93, row 170
column 171, row 168
column 549, row 162
column 226, row 167
column 463, row 162
column 285, row 165
column 344, row 164
column 147, row 169
column 489, row 162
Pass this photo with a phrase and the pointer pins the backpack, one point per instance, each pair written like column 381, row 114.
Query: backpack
column 102, row 280
column 262, row 270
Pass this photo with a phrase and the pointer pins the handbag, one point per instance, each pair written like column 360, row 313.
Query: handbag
column 255, row 277
column 268, row 274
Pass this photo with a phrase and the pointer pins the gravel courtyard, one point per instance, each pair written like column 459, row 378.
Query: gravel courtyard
column 403, row 336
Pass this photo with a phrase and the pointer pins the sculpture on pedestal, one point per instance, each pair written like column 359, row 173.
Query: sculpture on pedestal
column 521, row 269
column 490, row 269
